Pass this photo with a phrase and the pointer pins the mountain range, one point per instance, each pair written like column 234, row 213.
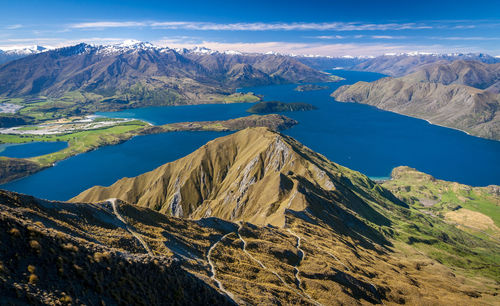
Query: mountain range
column 83, row 79
column 105, row 69
column 391, row 64
column 250, row 218
column 398, row 65
column 461, row 94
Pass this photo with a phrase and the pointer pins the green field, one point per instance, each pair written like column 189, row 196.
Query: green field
column 79, row 141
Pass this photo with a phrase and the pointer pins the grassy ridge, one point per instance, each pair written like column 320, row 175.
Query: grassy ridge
column 453, row 223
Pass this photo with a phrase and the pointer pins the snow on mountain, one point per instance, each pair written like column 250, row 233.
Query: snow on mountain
column 202, row 50
column 25, row 51
column 13, row 54
column 232, row 52
column 136, row 45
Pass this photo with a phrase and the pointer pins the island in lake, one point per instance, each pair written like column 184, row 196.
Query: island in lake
column 277, row 106
column 310, row 87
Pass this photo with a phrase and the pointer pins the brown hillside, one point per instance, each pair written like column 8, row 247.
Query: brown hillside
column 254, row 175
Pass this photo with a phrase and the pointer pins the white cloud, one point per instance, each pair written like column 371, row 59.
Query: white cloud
column 107, row 24
column 328, row 37
column 387, row 37
column 51, row 43
column 14, row 26
column 294, row 26
column 479, row 38
column 255, row 26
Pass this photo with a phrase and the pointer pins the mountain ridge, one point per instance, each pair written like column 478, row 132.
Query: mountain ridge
column 264, row 181
column 439, row 94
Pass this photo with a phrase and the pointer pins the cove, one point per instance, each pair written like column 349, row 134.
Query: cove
column 31, row 149
column 108, row 164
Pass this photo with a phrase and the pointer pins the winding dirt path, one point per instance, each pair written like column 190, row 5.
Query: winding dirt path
column 128, row 227
column 305, row 295
column 240, row 225
column 302, row 255
column 212, row 267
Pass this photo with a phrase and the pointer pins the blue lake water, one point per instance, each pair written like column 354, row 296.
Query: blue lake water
column 358, row 136
column 31, row 149
column 109, row 164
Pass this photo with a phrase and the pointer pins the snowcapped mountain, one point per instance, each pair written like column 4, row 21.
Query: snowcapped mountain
column 381, row 63
column 13, row 54
column 117, row 68
column 25, row 51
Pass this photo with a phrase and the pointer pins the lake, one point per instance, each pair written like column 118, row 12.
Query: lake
column 107, row 164
column 357, row 136
column 31, row 149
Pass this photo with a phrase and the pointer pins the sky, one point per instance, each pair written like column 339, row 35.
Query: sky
column 328, row 28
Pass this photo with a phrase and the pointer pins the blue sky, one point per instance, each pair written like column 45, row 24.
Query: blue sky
column 302, row 27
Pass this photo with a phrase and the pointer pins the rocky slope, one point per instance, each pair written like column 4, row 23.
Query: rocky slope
column 64, row 254
column 457, row 106
column 259, row 176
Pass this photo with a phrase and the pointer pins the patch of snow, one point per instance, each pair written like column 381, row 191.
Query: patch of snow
column 232, row 52
column 202, row 50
